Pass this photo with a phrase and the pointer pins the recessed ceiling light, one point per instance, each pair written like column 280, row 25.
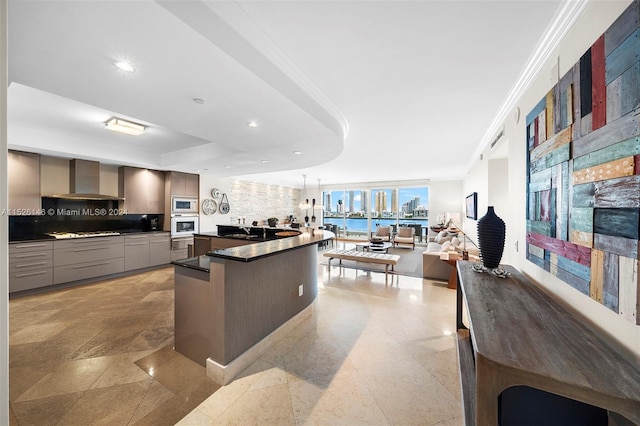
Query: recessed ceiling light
column 297, row 152
column 124, row 66
column 252, row 124
column 264, row 161
column 198, row 101
column 226, row 166
column 123, row 126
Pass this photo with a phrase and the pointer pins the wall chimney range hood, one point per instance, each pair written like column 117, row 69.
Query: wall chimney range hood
column 84, row 182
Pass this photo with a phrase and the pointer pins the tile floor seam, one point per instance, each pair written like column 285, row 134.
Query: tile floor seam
column 364, row 383
column 135, row 411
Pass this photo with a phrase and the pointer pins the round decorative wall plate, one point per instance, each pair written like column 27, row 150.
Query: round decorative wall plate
column 209, row 206
column 216, row 193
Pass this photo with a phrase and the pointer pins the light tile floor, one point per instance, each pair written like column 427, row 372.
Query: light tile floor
column 373, row 353
column 101, row 354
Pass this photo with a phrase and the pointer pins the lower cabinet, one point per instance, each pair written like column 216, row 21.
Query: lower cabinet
column 205, row 243
column 84, row 258
column 181, row 247
column 145, row 250
column 86, row 270
column 136, row 251
column 38, row 264
column 30, row 265
column 159, row 248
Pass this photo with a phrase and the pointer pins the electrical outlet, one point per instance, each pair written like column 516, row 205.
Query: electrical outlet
column 300, row 290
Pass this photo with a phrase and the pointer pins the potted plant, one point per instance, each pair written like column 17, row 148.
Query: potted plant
column 273, row 221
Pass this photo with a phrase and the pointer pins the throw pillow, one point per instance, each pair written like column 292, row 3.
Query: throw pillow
column 455, row 241
column 445, row 246
column 382, row 231
column 441, row 237
column 404, row 232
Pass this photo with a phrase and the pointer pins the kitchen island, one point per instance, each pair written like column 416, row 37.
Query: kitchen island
column 232, row 304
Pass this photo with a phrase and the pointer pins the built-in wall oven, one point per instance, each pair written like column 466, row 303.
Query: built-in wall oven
column 184, row 205
column 184, row 225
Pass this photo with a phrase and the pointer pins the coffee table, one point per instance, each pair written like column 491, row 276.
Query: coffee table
column 369, row 246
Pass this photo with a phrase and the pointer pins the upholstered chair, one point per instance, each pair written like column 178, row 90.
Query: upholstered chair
column 382, row 233
column 405, row 235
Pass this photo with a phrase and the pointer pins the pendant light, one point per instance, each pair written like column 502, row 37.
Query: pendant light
column 304, row 202
column 319, row 206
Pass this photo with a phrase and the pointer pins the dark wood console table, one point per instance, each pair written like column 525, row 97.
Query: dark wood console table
column 517, row 335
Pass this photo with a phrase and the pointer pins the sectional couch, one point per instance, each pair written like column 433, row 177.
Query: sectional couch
column 447, row 240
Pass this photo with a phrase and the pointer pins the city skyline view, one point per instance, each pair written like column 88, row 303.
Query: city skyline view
column 384, row 202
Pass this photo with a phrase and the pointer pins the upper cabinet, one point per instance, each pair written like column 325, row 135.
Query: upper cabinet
column 186, row 184
column 24, row 182
column 142, row 189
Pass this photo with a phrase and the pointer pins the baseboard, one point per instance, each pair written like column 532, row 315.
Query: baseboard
column 223, row 374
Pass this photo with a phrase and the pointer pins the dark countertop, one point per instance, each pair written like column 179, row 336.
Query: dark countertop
column 237, row 236
column 250, row 233
column 259, row 250
column 256, row 251
column 44, row 237
column 199, row 263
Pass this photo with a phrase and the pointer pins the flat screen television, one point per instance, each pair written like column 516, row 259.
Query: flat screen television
column 472, row 206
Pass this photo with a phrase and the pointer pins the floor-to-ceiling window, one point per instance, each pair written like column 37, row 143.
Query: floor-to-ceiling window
column 348, row 210
column 357, row 212
column 413, row 211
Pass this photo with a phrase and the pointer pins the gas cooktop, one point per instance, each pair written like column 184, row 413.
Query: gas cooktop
column 64, row 235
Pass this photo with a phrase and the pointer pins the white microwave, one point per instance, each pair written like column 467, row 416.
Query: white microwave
column 184, row 225
column 184, row 205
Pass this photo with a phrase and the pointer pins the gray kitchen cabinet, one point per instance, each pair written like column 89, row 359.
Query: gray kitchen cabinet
column 136, row 251
column 204, row 243
column 192, row 185
column 159, row 248
column 83, row 258
column 30, row 265
column 142, row 189
column 23, row 169
column 201, row 245
column 186, row 184
column 181, row 247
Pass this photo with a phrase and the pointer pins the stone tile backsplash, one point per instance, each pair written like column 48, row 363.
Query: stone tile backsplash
column 258, row 201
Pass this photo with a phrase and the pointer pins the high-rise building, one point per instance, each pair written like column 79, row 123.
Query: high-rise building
column 394, row 200
column 365, row 203
column 381, row 202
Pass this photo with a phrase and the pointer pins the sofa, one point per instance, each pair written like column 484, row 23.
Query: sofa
column 447, row 240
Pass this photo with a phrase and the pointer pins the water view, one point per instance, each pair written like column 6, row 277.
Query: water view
column 358, row 226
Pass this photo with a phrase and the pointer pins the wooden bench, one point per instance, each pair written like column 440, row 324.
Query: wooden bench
column 364, row 257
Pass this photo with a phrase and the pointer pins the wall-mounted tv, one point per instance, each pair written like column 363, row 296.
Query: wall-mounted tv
column 472, row 206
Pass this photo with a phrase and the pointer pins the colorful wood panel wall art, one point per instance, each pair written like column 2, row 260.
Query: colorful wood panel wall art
column 583, row 174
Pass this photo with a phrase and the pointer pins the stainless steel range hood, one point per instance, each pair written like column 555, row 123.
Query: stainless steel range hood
column 84, row 182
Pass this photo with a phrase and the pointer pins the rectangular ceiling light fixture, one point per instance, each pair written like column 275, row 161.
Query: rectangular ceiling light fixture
column 123, row 126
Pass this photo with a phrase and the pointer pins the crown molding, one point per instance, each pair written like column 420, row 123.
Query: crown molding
column 562, row 22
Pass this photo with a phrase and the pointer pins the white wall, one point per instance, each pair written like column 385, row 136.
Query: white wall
column 498, row 197
column 252, row 201
column 445, row 197
column 597, row 17
column 477, row 180
column 4, row 224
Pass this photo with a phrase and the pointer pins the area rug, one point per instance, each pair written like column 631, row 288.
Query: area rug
column 410, row 262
